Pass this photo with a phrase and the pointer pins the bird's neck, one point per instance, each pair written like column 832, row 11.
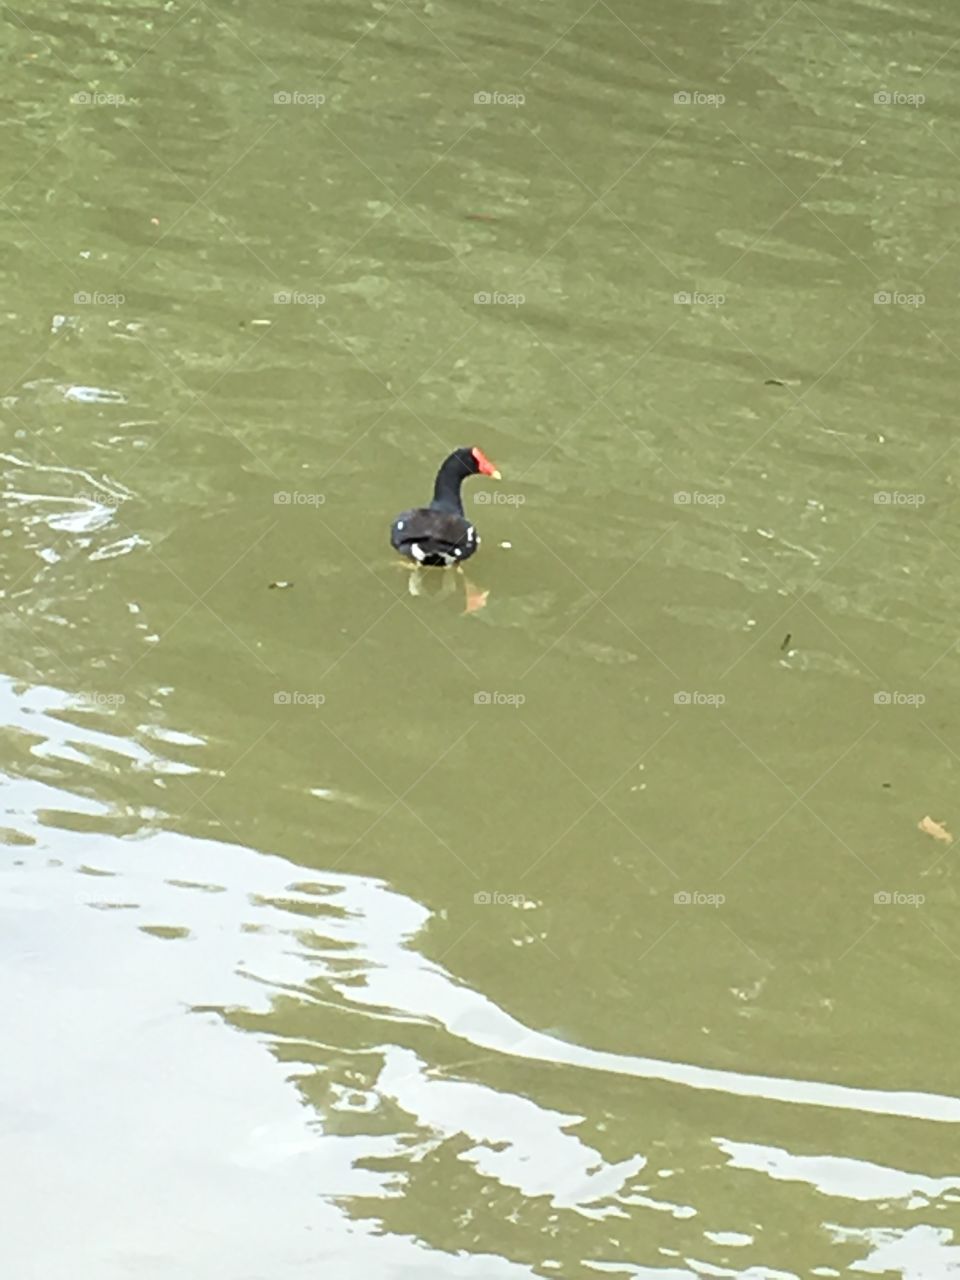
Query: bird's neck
column 446, row 490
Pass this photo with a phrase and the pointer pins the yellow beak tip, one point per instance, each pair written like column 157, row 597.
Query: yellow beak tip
column 495, row 475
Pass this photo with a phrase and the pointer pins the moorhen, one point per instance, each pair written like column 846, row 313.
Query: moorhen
column 441, row 534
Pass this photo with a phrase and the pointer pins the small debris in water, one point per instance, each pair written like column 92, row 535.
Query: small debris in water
column 936, row 829
column 774, row 382
column 785, row 644
column 155, row 222
column 886, row 784
column 506, row 545
column 280, row 586
column 261, row 324
column 480, row 217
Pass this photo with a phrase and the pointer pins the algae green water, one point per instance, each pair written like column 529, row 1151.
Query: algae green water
column 590, row 932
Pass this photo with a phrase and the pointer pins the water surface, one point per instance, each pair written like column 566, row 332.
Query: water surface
column 587, row 933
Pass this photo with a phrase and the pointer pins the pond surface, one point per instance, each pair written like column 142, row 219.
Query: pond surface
column 588, row 932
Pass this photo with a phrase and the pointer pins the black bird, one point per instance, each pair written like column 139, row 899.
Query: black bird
column 441, row 534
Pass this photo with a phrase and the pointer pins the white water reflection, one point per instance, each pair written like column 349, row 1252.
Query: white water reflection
column 518, row 1143
column 379, row 925
column 920, row 1253
column 836, row 1176
column 472, row 1016
column 149, row 1133
column 120, row 1072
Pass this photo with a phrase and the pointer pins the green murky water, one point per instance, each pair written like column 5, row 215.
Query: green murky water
column 587, row 933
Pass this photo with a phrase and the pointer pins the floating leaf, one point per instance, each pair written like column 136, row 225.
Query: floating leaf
column 936, row 829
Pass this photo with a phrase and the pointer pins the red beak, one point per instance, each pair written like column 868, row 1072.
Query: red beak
column 486, row 466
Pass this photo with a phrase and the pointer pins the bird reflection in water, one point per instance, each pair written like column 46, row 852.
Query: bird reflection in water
column 438, row 583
